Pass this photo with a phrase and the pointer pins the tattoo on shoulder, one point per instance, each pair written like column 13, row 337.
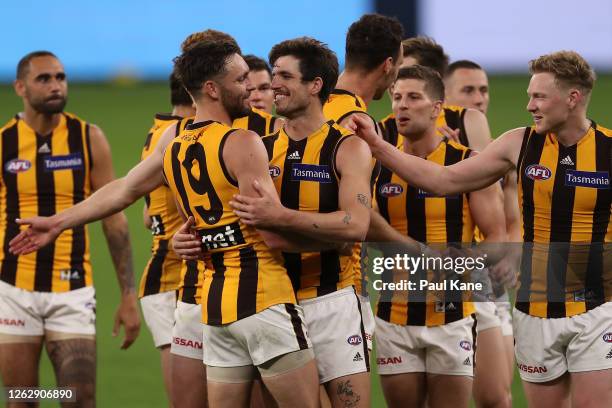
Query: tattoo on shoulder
column 346, row 394
column 363, row 200
column 347, row 218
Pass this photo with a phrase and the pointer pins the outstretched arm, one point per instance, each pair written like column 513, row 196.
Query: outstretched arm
column 472, row 174
column 109, row 199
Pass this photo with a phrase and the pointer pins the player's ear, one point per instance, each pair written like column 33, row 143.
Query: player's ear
column 437, row 108
column 317, row 85
column 19, row 87
column 387, row 65
column 211, row 89
column 575, row 97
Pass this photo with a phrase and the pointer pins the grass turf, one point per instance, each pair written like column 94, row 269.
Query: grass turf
column 132, row 378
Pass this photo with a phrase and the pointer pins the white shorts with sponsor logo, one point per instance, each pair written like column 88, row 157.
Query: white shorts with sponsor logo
column 256, row 339
column 336, row 328
column 445, row 349
column 158, row 312
column 546, row 348
column 28, row 313
column 369, row 324
column 187, row 331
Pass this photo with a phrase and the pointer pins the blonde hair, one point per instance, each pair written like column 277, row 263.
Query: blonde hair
column 206, row 35
column 568, row 67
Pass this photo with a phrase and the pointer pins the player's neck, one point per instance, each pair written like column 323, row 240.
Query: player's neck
column 357, row 83
column 183, row 111
column 304, row 125
column 41, row 123
column 212, row 111
column 574, row 129
column 423, row 144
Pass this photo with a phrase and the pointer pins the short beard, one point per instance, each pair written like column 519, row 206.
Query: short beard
column 235, row 106
column 46, row 108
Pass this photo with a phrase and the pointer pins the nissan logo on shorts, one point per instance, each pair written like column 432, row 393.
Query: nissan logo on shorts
column 466, row 345
column 607, row 337
column 354, row 340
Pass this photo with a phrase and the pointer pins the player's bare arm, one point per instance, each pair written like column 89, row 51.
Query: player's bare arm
column 109, row 199
column 117, row 235
column 247, row 162
column 477, row 129
column 350, row 223
column 472, row 174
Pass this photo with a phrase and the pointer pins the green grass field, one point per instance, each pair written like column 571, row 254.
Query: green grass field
column 132, row 378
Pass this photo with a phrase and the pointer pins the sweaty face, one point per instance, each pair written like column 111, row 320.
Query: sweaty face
column 234, row 88
column 44, row 86
column 468, row 88
column 414, row 110
column 291, row 94
column 548, row 103
column 262, row 96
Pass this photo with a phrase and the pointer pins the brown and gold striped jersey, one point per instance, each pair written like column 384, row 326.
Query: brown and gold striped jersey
column 259, row 121
column 425, row 218
column 190, row 287
column 304, row 174
column 242, row 275
column 163, row 270
column 43, row 175
column 565, row 200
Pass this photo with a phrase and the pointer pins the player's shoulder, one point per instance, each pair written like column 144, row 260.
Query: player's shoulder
column 261, row 113
column 454, row 108
column 603, row 130
column 341, row 131
column 9, row 124
column 456, row 145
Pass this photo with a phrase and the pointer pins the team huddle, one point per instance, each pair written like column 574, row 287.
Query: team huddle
column 263, row 187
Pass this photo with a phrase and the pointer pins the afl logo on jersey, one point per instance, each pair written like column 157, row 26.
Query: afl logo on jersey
column 390, row 190
column 17, row 166
column 607, row 337
column 274, row 171
column 537, row 172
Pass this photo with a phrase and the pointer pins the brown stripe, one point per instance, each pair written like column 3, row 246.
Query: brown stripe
column 77, row 253
column 45, row 184
column 297, row 326
column 156, row 269
column 10, row 148
column 247, row 282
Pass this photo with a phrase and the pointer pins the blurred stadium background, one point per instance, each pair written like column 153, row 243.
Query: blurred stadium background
column 118, row 55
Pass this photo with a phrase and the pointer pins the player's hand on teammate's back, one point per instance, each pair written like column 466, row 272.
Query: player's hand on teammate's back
column 450, row 134
column 185, row 242
column 364, row 128
column 41, row 231
column 128, row 317
column 263, row 211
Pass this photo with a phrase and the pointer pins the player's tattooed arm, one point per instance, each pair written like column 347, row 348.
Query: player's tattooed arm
column 347, row 218
column 364, row 200
column 118, row 239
